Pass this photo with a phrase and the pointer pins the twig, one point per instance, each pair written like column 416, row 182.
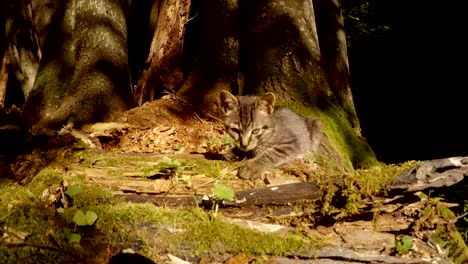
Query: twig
column 463, row 215
column 191, row 18
column 9, row 213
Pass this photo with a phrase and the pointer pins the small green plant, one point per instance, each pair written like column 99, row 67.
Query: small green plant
column 80, row 218
column 167, row 163
column 71, row 236
column 221, row 192
column 73, row 190
column 403, row 245
column 165, row 166
column 463, row 227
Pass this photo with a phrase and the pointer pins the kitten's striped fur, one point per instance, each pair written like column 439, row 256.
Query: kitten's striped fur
column 266, row 135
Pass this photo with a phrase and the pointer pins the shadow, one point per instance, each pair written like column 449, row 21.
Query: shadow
column 333, row 54
column 408, row 84
column 126, row 258
column 139, row 36
column 212, row 156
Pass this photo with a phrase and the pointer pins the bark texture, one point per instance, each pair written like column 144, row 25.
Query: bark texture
column 165, row 61
column 3, row 79
column 22, row 40
column 334, row 55
column 280, row 50
column 216, row 58
column 83, row 75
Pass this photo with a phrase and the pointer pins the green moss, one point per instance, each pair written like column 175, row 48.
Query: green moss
column 437, row 216
column 150, row 165
column 30, row 254
column 220, row 237
column 449, row 238
column 22, row 211
column 355, row 152
column 93, row 196
column 344, row 194
column 372, row 180
column 191, row 232
column 46, row 178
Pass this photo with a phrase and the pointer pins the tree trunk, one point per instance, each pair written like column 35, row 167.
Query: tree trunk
column 280, row 51
column 334, row 56
column 165, row 61
column 215, row 64
column 83, row 76
column 3, row 79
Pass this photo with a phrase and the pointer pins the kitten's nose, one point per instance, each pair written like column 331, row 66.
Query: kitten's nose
column 244, row 142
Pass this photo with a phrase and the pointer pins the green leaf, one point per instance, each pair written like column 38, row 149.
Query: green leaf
column 72, row 237
column 223, row 192
column 407, row 241
column 79, row 218
column 73, row 190
column 84, row 219
column 404, row 245
column 91, row 217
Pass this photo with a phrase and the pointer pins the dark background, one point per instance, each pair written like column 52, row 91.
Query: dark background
column 409, row 85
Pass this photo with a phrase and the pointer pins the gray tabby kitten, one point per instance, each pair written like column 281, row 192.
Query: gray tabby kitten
column 266, row 135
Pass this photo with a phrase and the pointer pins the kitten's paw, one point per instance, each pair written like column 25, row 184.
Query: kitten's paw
column 250, row 171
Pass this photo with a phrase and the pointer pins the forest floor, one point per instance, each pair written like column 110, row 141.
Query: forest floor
column 154, row 183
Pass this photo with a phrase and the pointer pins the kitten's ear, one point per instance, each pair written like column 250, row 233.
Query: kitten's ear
column 229, row 102
column 266, row 103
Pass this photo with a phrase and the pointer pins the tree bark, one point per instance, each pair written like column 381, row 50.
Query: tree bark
column 216, row 58
column 280, row 51
column 22, row 42
column 165, row 61
column 334, row 55
column 83, row 75
column 3, row 79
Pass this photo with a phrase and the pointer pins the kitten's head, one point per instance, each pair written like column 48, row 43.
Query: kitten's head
column 247, row 118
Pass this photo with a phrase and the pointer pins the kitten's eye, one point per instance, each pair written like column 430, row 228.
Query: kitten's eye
column 255, row 131
column 234, row 130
